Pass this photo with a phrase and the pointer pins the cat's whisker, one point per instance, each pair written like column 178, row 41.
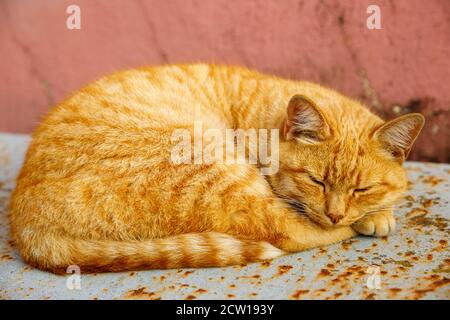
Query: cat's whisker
column 294, row 203
column 378, row 210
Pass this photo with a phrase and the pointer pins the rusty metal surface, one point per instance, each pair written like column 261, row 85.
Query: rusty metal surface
column 412, row 264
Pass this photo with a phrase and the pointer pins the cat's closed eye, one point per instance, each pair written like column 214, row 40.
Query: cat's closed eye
column 317, row 181
column 361, row 190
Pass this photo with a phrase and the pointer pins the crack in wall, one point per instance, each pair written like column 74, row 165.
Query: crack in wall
column 231, row 35
column 35, row 73
column 159, row 50
column 369, row 93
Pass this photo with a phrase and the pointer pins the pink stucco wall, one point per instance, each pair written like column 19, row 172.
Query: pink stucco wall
column 403, row 67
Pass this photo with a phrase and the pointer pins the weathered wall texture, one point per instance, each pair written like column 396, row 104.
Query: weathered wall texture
column 402, row 68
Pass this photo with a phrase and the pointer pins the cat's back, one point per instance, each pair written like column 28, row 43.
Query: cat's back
column 128, row 114
column 150, row 96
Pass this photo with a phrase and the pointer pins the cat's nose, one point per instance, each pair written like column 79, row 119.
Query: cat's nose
column 334, row 217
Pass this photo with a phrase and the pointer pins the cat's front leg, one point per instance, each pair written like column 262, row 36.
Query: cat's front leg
column 379, row 224
column 302, row 234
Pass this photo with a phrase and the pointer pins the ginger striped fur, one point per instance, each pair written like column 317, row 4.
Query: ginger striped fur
column 98, row 189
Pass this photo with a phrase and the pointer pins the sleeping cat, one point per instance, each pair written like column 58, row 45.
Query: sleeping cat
column 98, row 188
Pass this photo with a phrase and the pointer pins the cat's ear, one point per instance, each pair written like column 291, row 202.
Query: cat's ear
column 397, row 136
column 304, row 121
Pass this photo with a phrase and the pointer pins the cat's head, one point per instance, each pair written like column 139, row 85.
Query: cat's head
column 340, row 165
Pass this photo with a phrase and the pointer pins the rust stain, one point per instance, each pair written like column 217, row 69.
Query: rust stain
column 187, row 273
column 402, row 263
column 298, row 294
column 410, row 185
column 283, row 269
column 409, row 253
column 394, row 291
column 348, row 243
column 337, row 295
column 319, row 292
column 370, row 296
column 426, row 203
column 265, row 264
column 200, row 291
column 416, row 212
column 432, row 180
column 438, row 222
column 444, row 267
column 420, row 293
column 141, row 293
column 255, row 276
column 442, row 245
column 324, row 273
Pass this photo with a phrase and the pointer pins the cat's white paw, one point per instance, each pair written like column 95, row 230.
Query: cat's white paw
column 378, row 225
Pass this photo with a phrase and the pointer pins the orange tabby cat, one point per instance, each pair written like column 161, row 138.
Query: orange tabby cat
column 98, row 188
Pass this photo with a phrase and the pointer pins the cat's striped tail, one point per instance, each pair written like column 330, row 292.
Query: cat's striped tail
column 209, row 249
